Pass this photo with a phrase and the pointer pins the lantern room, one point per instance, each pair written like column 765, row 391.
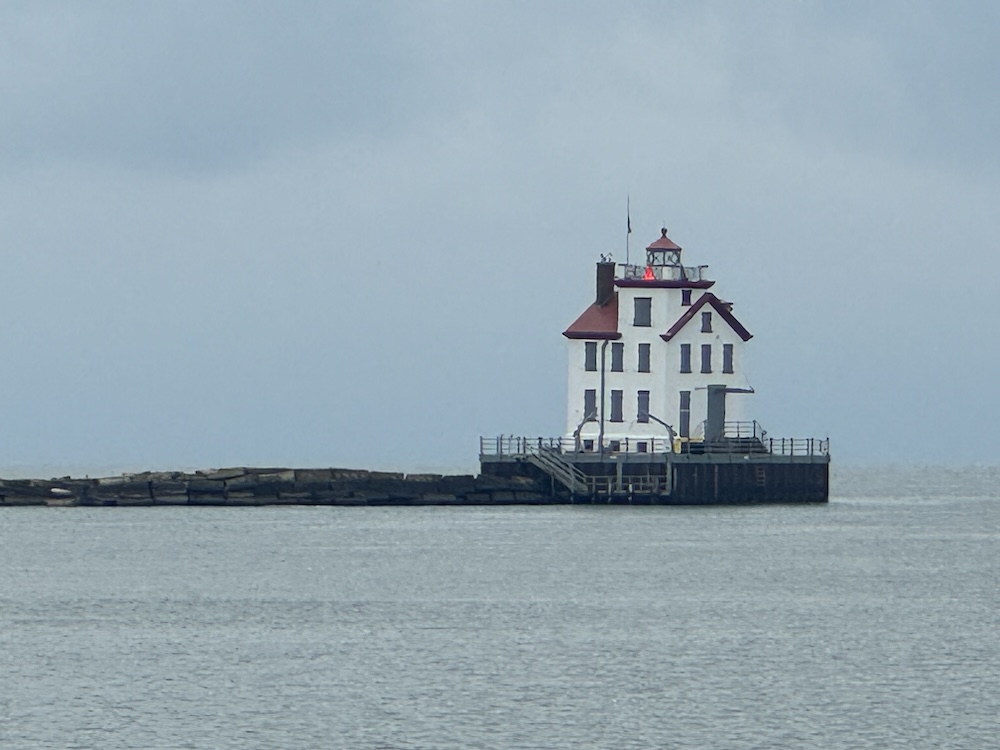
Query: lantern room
column 663, row 252
column 663, row 263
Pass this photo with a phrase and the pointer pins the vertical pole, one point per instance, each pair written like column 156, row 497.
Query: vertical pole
column 628, row 231
column 604, row 349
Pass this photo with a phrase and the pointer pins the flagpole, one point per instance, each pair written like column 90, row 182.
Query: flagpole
column 628, row 219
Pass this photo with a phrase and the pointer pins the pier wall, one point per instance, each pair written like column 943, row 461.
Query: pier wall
column 693, row 480
column 746, row 482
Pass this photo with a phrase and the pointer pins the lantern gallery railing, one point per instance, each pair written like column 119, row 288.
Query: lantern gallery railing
column 663, row 273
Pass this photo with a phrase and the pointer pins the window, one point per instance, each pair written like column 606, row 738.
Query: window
column 685, row 357
column 590, row 403
column 614, row 445
column 617, row 355
column 641, row 447
column 643, row 357
column 706, row 322
column 616, row 406
column 727, row 358
column 590, row 356
column 685, row 421
column 588, row 445
column 643, row 308
column 642, row 410
column 706, row 357
column 686, row 297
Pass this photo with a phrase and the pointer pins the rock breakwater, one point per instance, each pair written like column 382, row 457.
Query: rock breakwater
column 278, row 486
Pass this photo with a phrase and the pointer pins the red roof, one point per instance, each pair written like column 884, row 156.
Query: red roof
column 664, row 283
column 720, row 307
column 664, row 243
column 596, row 322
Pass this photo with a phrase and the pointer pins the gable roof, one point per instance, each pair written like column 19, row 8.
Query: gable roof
column 597, row 322
column 708, row 299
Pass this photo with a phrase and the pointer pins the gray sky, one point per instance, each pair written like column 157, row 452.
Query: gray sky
column 350, row 234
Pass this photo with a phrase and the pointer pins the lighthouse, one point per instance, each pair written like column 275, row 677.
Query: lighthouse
column 658, row 401
column 657, row 361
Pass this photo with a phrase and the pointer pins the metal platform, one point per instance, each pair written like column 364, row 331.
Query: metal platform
column 740, row 467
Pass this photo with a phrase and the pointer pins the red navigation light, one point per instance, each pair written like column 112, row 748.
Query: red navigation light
column 648, row 276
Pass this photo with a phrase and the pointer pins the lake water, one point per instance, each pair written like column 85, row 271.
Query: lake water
column 871, row 622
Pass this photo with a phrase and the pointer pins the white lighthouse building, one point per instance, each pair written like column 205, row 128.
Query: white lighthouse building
column 653, row 359
column 656, row 400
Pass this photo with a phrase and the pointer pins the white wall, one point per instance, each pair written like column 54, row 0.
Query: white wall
column 664, row 381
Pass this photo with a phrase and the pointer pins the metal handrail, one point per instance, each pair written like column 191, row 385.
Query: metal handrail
column 606, row 486
column 744, row 429
column 799, row 446
column 520, row 446
column 517, row 446
column 663, row 273
column 551, row 462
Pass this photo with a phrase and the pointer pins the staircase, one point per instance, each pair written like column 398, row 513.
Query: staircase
column 551, row 461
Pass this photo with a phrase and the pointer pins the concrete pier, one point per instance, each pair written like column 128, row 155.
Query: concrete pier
column 505, row 480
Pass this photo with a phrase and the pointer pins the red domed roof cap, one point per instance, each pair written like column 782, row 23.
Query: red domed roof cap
column 664, row 243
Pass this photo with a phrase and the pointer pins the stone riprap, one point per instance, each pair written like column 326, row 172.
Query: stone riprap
column 277, row 486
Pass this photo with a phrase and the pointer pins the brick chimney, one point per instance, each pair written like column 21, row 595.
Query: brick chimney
column 605, row 282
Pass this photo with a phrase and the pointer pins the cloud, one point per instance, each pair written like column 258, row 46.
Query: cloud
column 245, row 233
column 193, row 86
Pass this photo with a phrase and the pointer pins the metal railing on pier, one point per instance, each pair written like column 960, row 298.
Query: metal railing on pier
column 744, row 438
column 609, row 486
column 798, row 446
column 743, row 429
column 519, row 446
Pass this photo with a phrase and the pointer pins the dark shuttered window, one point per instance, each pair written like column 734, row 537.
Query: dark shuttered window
column 706, row 357
column 617, row 357
column 643, row 311
column 727, row 358
column 642, row 409
column 643, row 357
column 590, row 356
column 616, row 406
column 706, row 322
column 685, row 357
column 685, row 297
column 590, row 403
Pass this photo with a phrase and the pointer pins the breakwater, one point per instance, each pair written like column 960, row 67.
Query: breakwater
column 243, row 486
